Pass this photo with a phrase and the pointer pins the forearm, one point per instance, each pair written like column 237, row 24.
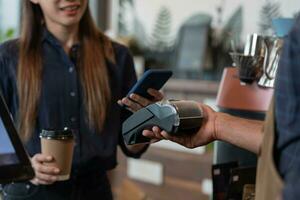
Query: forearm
column 241, row 132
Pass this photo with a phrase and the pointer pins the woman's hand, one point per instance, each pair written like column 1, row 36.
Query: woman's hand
column 44, row 175
column 136, row 102
column 205, row 135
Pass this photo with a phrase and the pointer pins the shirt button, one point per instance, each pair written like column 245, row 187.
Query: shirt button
column 72, row 94
column 71, row 69
column 73, row 119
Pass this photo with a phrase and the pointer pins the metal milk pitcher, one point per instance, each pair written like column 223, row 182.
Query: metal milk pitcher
column 272, row 52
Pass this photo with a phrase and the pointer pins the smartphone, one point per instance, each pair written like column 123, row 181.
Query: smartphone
column 152, row 78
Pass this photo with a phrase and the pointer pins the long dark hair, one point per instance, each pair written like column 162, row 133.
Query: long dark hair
column 95, row 49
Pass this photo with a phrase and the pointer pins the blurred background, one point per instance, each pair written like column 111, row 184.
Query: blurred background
column 192, row 38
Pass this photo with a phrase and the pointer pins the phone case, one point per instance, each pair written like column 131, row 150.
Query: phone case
column 153, row 78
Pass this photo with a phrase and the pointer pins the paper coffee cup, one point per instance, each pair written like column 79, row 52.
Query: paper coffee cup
column 60, row 145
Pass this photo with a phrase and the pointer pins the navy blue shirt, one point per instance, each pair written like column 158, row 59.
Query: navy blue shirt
column 287, row 112
column 61, row 102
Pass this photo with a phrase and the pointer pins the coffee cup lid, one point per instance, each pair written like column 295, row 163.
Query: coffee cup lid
column 64, row 134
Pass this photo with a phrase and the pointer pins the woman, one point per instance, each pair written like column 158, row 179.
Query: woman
column 63, row 72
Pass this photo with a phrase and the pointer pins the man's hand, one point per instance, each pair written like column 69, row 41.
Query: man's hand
column 205, row 135
column 241, row 132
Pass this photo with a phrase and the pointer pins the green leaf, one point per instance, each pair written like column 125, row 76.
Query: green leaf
column 5, row 35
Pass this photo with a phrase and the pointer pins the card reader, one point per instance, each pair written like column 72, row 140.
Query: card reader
column 175, row 117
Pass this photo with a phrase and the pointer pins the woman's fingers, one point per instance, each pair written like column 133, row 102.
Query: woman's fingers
column 46, row 169
column 45, row 178
column 34, row 181
column 140, row 100
column 44, row 174
column 41, row 158
column 37, row 181
column 135, row 102
column 158, row 96
column 42, row 182
column 37, row 164
column 131, row 105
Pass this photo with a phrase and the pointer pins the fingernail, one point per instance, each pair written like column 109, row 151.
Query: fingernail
column 56, row 170
column 49, row 157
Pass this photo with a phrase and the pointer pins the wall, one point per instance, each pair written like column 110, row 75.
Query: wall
column 182, row 9
column 9, row 14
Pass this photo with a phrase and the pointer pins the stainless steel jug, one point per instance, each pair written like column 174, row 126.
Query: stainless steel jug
column 273, row 47
column 269, row 48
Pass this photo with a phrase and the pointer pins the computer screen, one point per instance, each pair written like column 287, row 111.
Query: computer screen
column 15, row 164
column 7, row 152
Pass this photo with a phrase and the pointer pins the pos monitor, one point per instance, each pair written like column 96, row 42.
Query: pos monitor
column 14, row 161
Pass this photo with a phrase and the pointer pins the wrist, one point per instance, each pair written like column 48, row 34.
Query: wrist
column 220, row 122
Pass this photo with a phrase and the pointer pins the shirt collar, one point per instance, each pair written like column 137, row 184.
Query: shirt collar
column 49, row 37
